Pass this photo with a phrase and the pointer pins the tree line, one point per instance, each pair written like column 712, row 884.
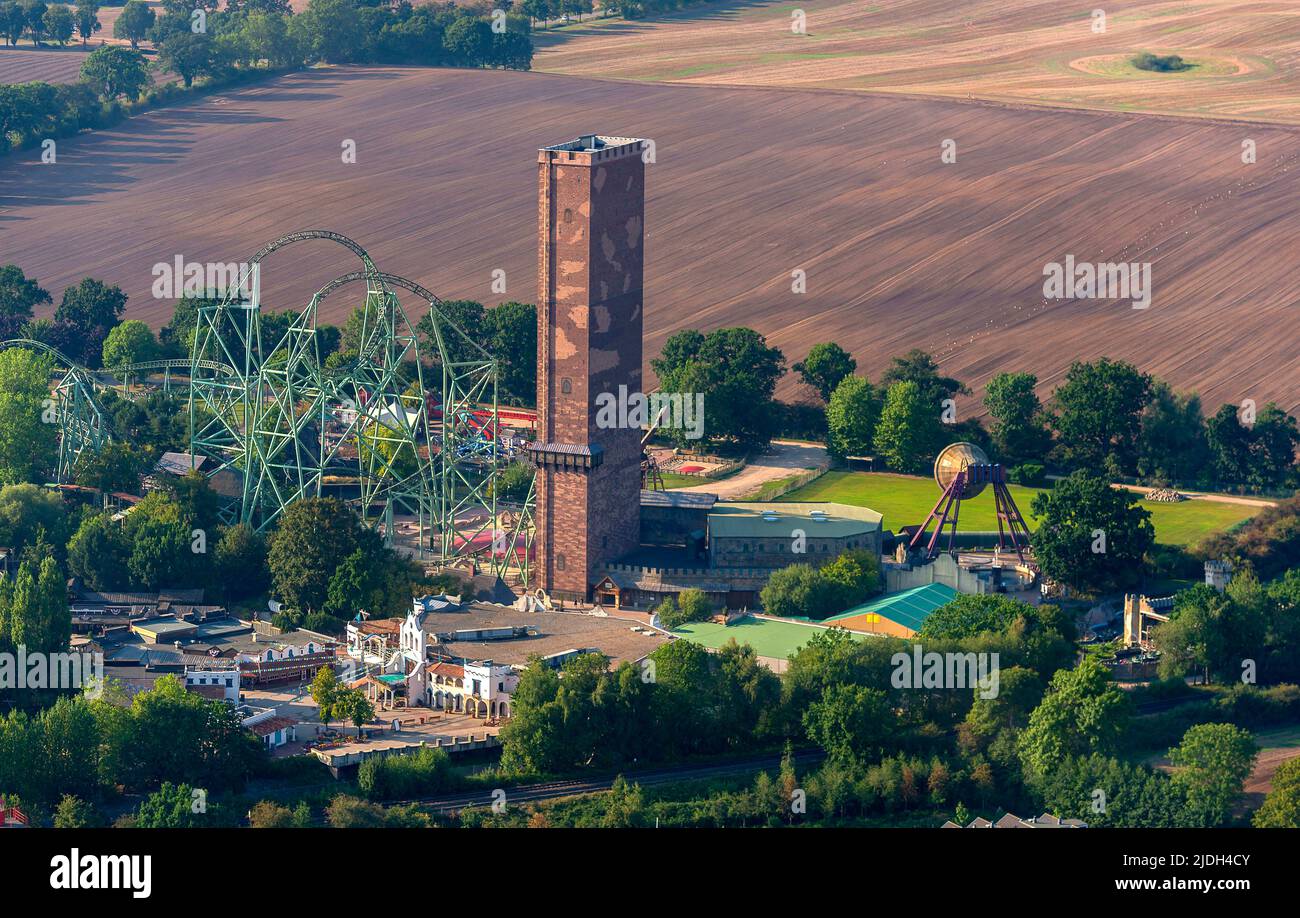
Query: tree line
column 42, row 22
column 243, row 40
column 1106, row 417
column 1056, row 735
column 78, row 754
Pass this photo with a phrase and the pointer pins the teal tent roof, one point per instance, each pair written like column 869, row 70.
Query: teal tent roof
column 909, row 608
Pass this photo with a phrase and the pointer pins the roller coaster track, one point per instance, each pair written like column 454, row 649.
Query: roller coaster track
column 72, row 399
column 95, row 377
column 280, row 420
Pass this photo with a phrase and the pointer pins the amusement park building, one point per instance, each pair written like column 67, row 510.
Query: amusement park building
column 729, row 550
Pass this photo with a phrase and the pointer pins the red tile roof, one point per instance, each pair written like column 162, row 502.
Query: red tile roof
column 446, row 670
column 270, row 725
column 380, row 626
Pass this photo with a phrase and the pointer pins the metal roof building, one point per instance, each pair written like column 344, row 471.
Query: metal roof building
column 743, row 519
column 898, row 614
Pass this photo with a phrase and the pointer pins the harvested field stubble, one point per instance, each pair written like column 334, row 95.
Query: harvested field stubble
column 1043, row 52
column 901, row 250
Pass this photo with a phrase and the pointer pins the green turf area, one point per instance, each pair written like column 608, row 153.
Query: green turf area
column 673, row 480
column 1281, row 738
column 906, row 499
column 1192, row 520
column 768, row 638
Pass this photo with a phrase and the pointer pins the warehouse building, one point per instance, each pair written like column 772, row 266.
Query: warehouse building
column 729, row 550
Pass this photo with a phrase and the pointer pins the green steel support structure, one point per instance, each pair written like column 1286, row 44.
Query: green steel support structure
column 400, row 429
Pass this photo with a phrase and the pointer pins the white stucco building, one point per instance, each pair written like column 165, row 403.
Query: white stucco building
column 478, row 688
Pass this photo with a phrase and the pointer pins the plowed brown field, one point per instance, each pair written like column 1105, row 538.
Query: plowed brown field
column 53, row 64
column 1245, row 54
column 900, row 249
column 26, row 64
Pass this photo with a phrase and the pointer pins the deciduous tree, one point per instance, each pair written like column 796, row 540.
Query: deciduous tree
column 1083, row 713
column 851, row 417
column 134, row 22
column 27, row 433
column 1090, row 535
column 130, row 342
column 825, row 367
column 87, row 16
column 1019, row 429
column 1213, row 762
column 1281, row 808
column 19, row 294
column 735, row 371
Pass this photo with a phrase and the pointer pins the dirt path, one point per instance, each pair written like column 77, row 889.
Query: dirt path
column 1276, row 747
column 786, row 457
column 1212, row 498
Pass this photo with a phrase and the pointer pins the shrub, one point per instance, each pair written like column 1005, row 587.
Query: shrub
column 394, row 777
column 346, row 812
column 323, row 623
column 691, row 606
column 1029, row 474
column 1159, row 63
column 268, row 814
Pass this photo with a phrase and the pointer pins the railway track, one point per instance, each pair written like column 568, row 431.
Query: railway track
column 556, row 790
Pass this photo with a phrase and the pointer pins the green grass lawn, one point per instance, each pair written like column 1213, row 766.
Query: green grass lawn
column 906, row 499
column 768, row 638
column 1281, row 738
column 673, row 480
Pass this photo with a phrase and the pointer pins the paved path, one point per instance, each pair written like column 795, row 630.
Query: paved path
column 785, row 458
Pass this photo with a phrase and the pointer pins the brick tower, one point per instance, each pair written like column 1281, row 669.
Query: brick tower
column 591, row 205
